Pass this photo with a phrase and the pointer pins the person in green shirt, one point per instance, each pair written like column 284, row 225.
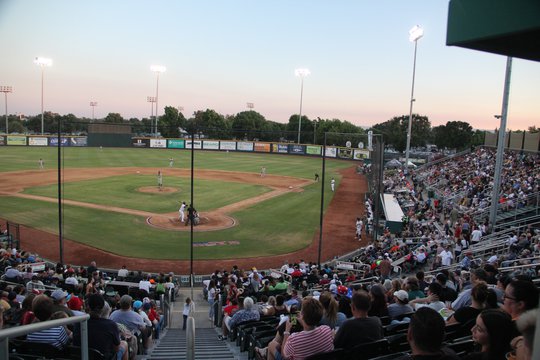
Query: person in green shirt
column 413, row 289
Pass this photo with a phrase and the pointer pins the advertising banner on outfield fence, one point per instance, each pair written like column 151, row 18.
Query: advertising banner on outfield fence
column 313, row 150
column 210, row 145
column 53, row 141
column 37, row 141
column 16, row 140
column 297, row 149
column 197, row 144
column 262, row 147
column 227, row 145
column 176, row 143
column 361, row 154
column 244, row 146
column 78, row 141
column 280, row 148
column 2, row 140
column 345, row 153
column 158, row 143
column 140, row 143
column 331, row 152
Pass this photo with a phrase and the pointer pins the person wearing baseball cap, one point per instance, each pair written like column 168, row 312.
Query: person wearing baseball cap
column 400, row 306
column 59, row 298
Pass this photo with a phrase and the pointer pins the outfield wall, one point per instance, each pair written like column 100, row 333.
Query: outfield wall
column 186, row 144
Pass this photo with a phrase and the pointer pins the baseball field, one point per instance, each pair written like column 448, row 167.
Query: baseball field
column 114, row 212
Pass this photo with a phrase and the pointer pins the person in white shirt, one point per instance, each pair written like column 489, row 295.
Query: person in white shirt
column 145, row 284
column 446, row 256
column 123, row 272
column 333, row 184
column 476, row 235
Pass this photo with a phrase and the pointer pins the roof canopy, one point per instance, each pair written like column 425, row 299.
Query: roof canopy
column 510, row 28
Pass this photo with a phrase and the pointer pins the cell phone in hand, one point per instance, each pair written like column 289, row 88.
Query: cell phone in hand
column 293, row 320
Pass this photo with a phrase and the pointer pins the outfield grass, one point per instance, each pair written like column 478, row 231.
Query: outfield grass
column 275, row 226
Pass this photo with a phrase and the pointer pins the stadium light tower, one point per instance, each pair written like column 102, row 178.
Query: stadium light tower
column 158, row 69
column 42, row 63
column 415, row 34
column 93, row 104
column 6, row 90
column 152, row 100
column 301, row 73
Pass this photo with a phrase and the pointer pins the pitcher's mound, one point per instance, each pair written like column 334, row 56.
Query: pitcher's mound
column 156, row 190
column 207, row 222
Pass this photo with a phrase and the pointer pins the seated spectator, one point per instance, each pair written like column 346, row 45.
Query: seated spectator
column 493, row 331
column 131, row 320
column 447, row 293
column 248, row 313
column 432, row 300
column 523, row 344
column 400, row 306
column 42, row 307
column 279, row 308
column 361, row 328
column 311, row 340
column 35, row 284
column 426, row 336
column 520, row 296
column 466, row 314
column 331, row 315
column 379, row 306
column 413, row 288
column 60, row 304
column 103, row 334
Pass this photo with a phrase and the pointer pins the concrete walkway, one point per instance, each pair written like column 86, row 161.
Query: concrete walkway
column 201, row 308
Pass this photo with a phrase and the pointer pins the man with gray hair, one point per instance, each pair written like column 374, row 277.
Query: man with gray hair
column 248, row 313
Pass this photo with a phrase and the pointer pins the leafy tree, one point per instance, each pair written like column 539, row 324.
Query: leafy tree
column 15, row 124
column 533, row 129
column 395, row 131
column 306, row 129
column 114, row 118
column 210, row 123
column 170, row 123
column 478, row 138
column 250, row 124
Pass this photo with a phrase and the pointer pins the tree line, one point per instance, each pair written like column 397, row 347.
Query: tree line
column 251, row 125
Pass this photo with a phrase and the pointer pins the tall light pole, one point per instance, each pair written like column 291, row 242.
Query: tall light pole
column 302, row 73
column 414, row 35
column 42, row 63
column 6, row 90
column 93, row 104
column 158, row 69
column 152, row 100
column 250, row 106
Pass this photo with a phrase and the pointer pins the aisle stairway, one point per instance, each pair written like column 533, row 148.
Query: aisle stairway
column 172, row 345
column 207, row 346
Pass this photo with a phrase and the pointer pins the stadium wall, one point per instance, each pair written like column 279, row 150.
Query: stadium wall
column 126, row 140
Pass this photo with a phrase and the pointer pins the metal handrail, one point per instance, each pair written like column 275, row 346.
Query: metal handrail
column 14, row 332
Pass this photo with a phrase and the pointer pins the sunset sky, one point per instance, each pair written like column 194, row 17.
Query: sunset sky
column 223, row 54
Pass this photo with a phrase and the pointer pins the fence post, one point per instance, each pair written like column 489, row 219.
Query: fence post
column 190, row 339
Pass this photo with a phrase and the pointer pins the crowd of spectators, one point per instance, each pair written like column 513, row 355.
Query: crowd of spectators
column 120, row 325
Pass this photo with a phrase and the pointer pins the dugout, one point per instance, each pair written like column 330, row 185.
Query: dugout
column 392, row 213
column 109, row 135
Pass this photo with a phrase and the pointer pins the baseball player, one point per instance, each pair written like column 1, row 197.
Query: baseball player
column 171, row 162
column 316, row 177
column 359, row 225
column 333, row 184
column 160, row 180
column 263, row 171
column 41, row 163
column 182, row 211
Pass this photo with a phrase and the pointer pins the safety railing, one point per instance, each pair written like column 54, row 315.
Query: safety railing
column 22, row 330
